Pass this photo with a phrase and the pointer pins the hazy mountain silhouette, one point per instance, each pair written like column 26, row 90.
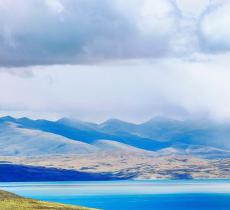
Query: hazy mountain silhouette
column 74, row 136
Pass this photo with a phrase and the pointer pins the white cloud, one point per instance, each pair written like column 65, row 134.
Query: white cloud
column 192, row 8
column 83, row 31
column 148, row 57
column 214, row 28
column 132, row 91
column 55, row 6
column 157, row 17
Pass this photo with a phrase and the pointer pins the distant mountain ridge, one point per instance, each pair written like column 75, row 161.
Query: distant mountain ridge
column 18, row 141
column 168, row 131
column 67, row 136
column 77, row 131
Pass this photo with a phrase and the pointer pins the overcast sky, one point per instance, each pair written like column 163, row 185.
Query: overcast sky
column 100, row 59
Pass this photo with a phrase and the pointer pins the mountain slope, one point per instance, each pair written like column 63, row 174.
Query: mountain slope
column 17, row 141
column 204, row 137
column 70, row 130
column 117, row 147
column 196, row 151
column 115, row 130
column 197, row 131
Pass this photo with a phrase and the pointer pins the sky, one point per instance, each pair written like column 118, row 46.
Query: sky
column 100, row 59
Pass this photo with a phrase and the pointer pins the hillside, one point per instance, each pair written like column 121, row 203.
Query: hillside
column 87, row 134
column 161, row 136
column 10, row 201
column 18, row 141
column 33, row 150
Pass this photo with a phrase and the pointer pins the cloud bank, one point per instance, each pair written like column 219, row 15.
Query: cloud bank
column 132, row 59
column 41, row 32
column 214, row 28
column 67, row 31
column 134, row 91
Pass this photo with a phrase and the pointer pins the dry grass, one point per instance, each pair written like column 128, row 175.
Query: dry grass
column 9, row 201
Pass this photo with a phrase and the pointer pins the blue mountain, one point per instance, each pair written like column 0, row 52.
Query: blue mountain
column 159, row 134
column 85, row 133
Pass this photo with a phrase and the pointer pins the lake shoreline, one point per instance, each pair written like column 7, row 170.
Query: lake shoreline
column 9, row 201
column 129, row 194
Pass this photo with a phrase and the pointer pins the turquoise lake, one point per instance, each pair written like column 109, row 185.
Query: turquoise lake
column 131, row 195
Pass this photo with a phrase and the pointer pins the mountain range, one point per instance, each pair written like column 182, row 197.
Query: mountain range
column 159, row 136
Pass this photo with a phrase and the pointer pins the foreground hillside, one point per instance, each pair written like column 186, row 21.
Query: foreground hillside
column 9, row 201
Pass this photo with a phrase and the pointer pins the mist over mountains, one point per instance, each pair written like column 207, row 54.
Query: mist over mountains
column 159, row 136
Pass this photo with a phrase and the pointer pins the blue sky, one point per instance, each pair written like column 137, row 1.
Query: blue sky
column 97, row 59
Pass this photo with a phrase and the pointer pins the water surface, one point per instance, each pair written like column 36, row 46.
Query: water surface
column 131, row 195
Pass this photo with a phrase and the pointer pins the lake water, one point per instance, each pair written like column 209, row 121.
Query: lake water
column 131, row 195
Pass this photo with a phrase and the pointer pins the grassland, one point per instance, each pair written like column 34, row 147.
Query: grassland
column 9, row 201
